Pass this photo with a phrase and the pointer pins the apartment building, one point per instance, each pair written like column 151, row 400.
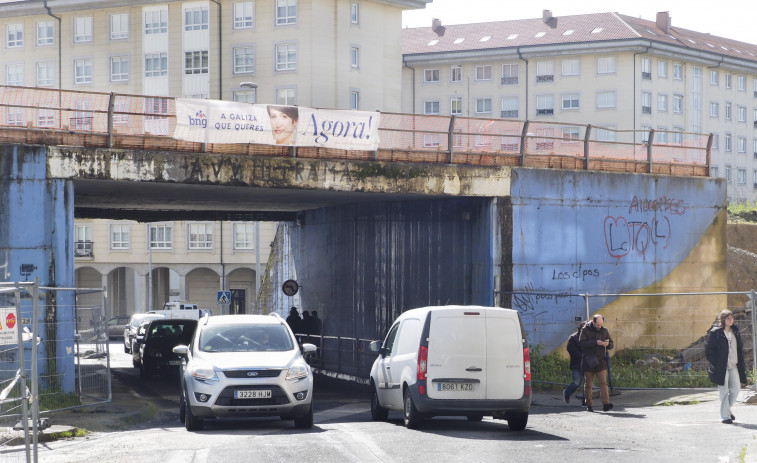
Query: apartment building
column 608, row 70
column 341, row 54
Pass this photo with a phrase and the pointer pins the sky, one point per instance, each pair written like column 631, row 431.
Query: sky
column 732, row 19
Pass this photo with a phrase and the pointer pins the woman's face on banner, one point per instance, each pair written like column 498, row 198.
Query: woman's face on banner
column 282, row 127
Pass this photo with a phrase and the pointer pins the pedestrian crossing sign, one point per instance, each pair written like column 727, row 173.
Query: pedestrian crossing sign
column 224, row 297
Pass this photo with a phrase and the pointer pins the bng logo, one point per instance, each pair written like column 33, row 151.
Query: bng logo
column 199, row 119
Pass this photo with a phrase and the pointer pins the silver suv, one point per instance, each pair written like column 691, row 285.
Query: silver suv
column 245, row 366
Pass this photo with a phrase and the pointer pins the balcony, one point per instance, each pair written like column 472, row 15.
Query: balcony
column 84, row 249
column 646, row 110
column 510, row 80
column 545, row 112
column 545, row 78
column 511, row 113
column 646, row 75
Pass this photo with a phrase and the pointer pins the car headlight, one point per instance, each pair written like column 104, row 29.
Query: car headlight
column 297, row 372
column 202, row 371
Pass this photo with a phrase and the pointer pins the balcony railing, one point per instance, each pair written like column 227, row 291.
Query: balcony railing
column 509, row 113
column 510, row 80
column 646, row 75
column 84, row 249
column 545, row 78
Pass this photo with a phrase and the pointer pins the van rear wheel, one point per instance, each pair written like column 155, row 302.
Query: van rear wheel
column 412, row 416
column 378, row 413
column 517, row 420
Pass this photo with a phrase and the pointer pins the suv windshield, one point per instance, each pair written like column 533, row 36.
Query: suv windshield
column 245, row 338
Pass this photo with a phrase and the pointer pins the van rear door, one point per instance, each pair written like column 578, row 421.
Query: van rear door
column 457, row 354
column 504, row 359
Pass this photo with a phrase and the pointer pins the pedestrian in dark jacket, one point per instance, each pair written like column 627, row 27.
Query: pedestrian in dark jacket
column 595, row 341
column 727, row 368
column 577, row 374
column 294, row 321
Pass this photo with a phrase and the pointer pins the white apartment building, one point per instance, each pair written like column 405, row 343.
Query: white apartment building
column 189, row 261
column 341, row 54
column 608, row 70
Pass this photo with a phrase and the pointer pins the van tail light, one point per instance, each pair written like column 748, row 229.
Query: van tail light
column 422, row 369
column 526, row 365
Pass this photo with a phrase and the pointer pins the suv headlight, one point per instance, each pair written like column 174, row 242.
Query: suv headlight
column 297, row 372
column 202, row 371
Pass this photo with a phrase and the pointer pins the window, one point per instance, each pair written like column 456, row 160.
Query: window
column 456, row 105
column 741, row 176
column 570, row 67
column 728, row 77
column 244, row 15
column 645, row 131
column 161, row 236
column 45, row 118
column 662, row 69
column 14, row 74
column 430, row 75
column 119, row 68
column 246, row 96
column 196, row 19
column 677, row 71
column 119, row 26
column 741, row 144
column 484, row 72
column 16, row 117
column 728, row 142
column 714, row 77
column 483, row 105
column 571, row 133
column 606, row 99
column 714, row 171
column 45, row 74
column 754, row 86
column 545, row 105
column 646, row 68
column 355, row 57
column 456, row 73
column 646, row 103
column 156, row 22
column 728, row 174
column 156, row 64
column 83, row 233
column 119, row 236
column 677, row 135
column 727, row 111
column 714, row 109
column 285, row 96
column 196, row 62
column 431, row 107
column 200, row 235
column 754, row 147
column 15, row 36
column 604, row 135
column 244, row 60
column 83, row 71
column 510, row 74
column 606, row 65
column 570, row 101
column 83, row 29
column 286, row 12
column 286, row 57
column 741, row 113
column 354, row 99
column 45, row 30
column 662, row 103
column 244, row 233
column 677, row 103
column 715, row 141
column 509, row 107
column 545, row 71
column 354, row 13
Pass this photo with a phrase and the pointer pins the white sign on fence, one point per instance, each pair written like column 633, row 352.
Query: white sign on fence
column 8, row 326
column 213, row 121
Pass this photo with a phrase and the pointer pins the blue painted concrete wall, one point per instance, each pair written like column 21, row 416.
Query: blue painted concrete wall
column 36, row 228
column 362, row 265
column 590, row 232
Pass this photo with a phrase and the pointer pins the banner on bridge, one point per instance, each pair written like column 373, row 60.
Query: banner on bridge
column 213, row 121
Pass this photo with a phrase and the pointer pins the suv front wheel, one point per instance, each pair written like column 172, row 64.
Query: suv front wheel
column 305, row 421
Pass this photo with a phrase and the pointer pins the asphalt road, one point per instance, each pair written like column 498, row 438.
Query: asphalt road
column 686, row 429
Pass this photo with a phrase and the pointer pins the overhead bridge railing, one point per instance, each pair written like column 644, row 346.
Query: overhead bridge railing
column 49, row 116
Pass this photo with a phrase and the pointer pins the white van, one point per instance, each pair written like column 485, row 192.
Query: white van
column 453, row 360
column 180, row 309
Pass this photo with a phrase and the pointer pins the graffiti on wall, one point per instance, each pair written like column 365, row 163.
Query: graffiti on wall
column 634, row 233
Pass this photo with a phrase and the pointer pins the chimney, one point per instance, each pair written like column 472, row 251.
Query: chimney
column 663, row 21
column 436, row 26
column 546, row 16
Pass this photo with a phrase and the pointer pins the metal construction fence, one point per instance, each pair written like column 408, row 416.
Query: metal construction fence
column 46, row 363
column 42, row 115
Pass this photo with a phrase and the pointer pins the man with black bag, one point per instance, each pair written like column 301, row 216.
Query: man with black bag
column 595, row 341
column 577, row 375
